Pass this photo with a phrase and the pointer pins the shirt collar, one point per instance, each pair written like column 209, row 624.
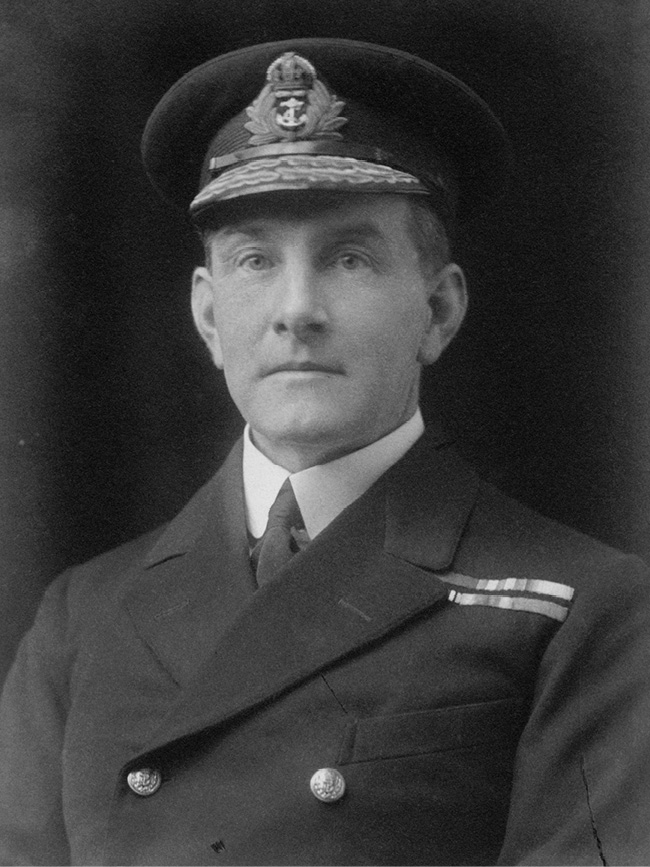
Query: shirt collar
column 325, row 490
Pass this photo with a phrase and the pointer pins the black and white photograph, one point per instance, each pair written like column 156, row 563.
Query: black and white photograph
column 324, row 432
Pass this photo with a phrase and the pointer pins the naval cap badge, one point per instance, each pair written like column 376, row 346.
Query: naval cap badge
column 294, row 104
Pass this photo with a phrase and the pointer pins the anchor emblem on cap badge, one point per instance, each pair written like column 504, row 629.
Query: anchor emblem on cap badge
column 289, row 120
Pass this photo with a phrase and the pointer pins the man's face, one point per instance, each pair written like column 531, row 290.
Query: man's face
column 321, row 319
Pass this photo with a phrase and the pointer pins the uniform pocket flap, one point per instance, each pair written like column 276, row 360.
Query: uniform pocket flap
column 448, row 728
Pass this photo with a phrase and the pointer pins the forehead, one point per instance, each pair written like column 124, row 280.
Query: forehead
column 385, row 215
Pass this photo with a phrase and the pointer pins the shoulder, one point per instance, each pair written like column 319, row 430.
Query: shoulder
column 77, row 609
column 85, row 593
column 111, row 566
column 495, row 536
column 88, row 590
column 506, row 537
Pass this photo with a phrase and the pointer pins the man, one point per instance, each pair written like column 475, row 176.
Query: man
column 347, row 648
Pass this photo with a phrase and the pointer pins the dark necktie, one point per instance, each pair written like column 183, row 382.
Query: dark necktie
column 277, row 546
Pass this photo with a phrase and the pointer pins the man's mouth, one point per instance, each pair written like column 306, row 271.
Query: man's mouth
column 303, row 367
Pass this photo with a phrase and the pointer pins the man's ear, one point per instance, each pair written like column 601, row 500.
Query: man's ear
column 447, row 308
column 203, row 313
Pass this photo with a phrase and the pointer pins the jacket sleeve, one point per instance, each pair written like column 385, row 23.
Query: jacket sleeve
column 32, row 721
column 581, row 792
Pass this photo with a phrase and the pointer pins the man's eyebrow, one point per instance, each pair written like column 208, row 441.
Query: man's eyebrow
column 331, row 235
column 355, row 231
column 252, row 230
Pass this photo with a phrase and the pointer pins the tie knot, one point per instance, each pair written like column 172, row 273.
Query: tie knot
column 285, row 511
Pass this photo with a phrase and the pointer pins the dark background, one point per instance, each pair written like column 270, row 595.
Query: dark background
column 110, row 413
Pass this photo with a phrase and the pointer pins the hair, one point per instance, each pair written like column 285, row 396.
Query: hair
column 428, row 234
column 425, row 228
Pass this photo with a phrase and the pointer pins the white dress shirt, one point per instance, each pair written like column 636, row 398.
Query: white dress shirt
column 325, row 490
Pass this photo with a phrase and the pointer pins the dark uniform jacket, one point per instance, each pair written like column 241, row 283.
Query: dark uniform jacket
column 479, row 676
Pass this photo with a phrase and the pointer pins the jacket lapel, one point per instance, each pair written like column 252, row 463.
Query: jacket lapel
column 197, row 577
column 367, row 574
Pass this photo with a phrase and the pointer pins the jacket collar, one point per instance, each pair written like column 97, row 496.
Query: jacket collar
column 429, row 495
column 216, row 499
column 368, row 573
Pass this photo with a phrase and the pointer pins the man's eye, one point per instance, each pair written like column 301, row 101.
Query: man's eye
column 253, row 261
column 352, row 261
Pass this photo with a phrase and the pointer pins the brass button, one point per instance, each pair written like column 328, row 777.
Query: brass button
column 327, row 785
column 144, row 781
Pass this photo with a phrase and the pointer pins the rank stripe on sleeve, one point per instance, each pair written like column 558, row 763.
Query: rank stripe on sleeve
column 512, row 603
column 510, row 585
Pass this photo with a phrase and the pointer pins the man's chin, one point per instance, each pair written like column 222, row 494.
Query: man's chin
column 299, row 416
column 303, row 432
column 320, row 438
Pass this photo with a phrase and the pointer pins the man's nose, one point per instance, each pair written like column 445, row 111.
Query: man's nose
column 300, row 307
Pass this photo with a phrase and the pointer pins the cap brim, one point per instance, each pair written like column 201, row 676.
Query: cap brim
column 305, row 172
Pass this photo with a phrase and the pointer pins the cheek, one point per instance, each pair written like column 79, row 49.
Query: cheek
column 235, row 325
column 396, row 335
